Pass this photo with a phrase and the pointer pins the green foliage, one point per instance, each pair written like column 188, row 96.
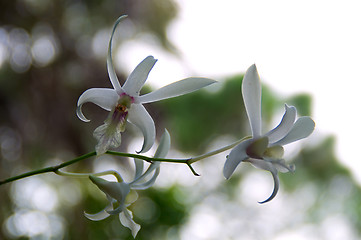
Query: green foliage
column 303, row 104
column 168, row 212
column 199, row 117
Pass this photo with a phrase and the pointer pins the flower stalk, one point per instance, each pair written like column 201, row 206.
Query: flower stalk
column 57, row 168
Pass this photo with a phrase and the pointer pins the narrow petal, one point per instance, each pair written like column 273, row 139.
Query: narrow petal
column 103, row 213
column 236, row 156
column 251, row 91
column 302, row 128
column 116, row 190
column 261, row 164
column 138, row 77
column 139, row 166
column 105, row 98
column 275, row 188
column 280, row 165
column 150, row 182
column 98, row 216
column 118, row 210
column 285, row 125
column 111, row 72
column 126, row 218
column 150, row 169
column 178, row 88
column 162, row 151
column 164, row 145
column 139, row 116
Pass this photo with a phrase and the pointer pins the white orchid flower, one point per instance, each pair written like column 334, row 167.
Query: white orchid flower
column 124, row 102
column 266, row 151
column 118, row 192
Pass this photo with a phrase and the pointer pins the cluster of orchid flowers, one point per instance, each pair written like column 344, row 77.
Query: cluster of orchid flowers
column 125, row 104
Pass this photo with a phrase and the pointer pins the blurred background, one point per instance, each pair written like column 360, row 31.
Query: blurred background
column 307, row 55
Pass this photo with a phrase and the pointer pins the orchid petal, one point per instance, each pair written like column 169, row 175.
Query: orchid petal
column 261, row 164
column 275, row 188
column 151, row 168
column 102, row 214
column 131, row 197
column 139, row 166
column 162, row 151
column 279, row 165
column 98, row 216
column 164, row 145
column 105, row 98
column 150, row 182
column 116, row 190
column 175, row 89
column 251, row 91
column 302, row 128
column 118, row 210
column 139, row 116
column 285, row 125
column 237, row 155
column 106, row 138
column 126, row 218
column 111, row 72
column 138, row 77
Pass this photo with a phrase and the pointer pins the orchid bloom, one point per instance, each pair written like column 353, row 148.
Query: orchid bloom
column 118, row 192
column 125, row 104
column 266, row 151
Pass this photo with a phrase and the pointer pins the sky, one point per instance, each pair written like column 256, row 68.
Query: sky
column 298, row 47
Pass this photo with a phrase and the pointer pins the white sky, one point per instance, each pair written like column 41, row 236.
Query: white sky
column 311, row 46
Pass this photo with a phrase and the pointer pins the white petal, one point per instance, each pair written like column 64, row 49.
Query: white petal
column 268, row 166
column 175, row 89
column 105, row 98
column 97, row 216
column 275, row 188
column 139, row 166
column 138, row 77
column 111, row 72
column 261, row 164
column 285, row 125
column 126, row 218
column 150, row 182
column 106, row 138
column 236, row 156
column 161, row 152
column 280, row 165
column 139, row 116
column 103, row 213
column 302, row 128
column 116, row 190
column 164, row 145
column 251, row 91
column 151, row 168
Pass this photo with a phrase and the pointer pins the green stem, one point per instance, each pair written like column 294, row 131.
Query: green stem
column 212, row 153
column 56, row 168
column 148, row 159
column 48, row 169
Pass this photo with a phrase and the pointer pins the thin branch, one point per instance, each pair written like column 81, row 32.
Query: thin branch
column 209, row 154
column 48, row 169
column 56, row 168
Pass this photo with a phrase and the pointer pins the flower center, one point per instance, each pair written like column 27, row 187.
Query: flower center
column 259, row 149
column 121, row 110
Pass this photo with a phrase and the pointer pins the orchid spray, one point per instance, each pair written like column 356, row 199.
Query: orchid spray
column 125, row 104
